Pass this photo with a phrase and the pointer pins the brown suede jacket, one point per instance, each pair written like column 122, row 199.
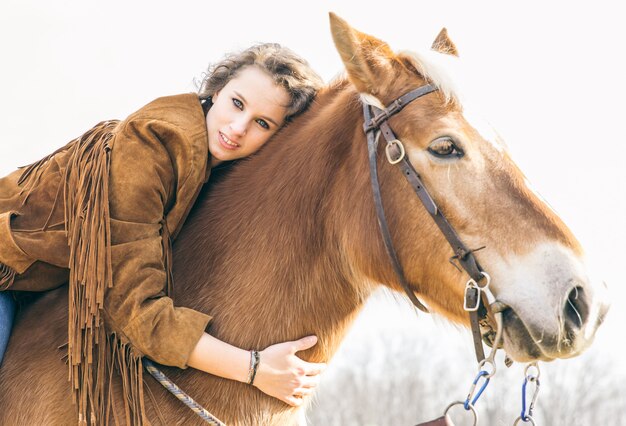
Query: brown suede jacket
column 56, row 223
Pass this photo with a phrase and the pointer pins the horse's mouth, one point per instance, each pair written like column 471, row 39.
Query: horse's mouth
column 488, row 333
column 489, row 324
column 522, row 345
column 517, row 340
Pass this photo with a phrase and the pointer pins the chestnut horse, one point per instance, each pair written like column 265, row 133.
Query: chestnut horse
column 287, row 244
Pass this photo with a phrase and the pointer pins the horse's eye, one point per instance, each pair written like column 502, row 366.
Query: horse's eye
column 445, row 147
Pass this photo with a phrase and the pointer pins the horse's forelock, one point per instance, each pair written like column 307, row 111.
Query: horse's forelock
column 441, row 69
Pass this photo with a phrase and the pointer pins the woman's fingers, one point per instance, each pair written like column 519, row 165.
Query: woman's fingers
column 292, row 400
column 286, row 376
column 304, row 343
column 298, row 396
column 303, row 391
column 310, row 382
column 313, row 369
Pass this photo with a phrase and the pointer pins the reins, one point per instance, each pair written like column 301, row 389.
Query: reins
column 180, row 394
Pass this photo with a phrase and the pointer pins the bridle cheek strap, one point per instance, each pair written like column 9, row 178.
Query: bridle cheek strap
column 396, row 155
column 372, row 144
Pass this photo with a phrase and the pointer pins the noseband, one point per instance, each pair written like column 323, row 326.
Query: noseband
column 375, row 124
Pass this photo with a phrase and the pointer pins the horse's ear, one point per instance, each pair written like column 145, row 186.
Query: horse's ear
column 366, row 58
column 443, row 44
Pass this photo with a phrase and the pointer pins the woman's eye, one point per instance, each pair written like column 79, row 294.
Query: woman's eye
column 238, row 103
column 445, row 148
column 263, row 124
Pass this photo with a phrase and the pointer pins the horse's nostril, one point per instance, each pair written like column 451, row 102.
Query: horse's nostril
column 576, row 310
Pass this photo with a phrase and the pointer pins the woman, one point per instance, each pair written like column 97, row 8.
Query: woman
column 103, row 210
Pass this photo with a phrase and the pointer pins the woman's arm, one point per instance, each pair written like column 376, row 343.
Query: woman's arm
column 280, row 373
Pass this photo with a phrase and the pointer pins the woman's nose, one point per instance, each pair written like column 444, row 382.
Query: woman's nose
column 239, row 127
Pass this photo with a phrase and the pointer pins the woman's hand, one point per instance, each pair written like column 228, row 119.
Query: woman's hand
column 280, row 372
column 283, row 375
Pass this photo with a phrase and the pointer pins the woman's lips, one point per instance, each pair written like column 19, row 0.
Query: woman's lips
column 226, row 142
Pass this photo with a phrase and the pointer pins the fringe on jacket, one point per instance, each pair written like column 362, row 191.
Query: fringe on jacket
column 7, row 276
column 92, row 355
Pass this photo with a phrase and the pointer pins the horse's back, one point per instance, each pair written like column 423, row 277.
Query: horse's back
column 34, row 387
column 33, row 377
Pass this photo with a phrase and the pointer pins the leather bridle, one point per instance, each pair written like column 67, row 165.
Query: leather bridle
column 478, row 284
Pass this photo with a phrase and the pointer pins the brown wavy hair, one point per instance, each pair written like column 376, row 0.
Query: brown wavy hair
column 287, row 69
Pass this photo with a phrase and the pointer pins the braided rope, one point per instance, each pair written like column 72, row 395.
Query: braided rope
column 180, row 394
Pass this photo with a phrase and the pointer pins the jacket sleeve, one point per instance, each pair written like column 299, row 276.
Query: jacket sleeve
column 142, row 185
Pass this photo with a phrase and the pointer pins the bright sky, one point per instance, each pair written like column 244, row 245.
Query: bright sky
column 553, row 77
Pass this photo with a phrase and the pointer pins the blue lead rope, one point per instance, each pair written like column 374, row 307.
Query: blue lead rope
column 180, row 394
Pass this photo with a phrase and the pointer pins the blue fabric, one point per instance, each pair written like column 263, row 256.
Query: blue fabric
column 7, row 312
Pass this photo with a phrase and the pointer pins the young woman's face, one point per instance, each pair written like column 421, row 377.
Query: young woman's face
column 245, row 113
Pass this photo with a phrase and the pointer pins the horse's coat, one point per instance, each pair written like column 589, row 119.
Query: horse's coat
column 286, row 244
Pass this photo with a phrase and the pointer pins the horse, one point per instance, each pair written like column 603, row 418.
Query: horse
column 287, row 243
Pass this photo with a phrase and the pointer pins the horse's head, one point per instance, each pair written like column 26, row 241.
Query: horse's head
column 535, row 263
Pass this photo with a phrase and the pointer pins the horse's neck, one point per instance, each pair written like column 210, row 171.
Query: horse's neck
column 270, row 240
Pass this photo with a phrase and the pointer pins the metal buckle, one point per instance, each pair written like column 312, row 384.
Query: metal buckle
column 471, row 286
column 388, row 153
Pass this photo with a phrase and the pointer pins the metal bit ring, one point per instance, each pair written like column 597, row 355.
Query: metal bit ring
column 461, row 403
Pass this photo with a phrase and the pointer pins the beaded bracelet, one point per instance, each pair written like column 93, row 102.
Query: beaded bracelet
column 255, row 358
